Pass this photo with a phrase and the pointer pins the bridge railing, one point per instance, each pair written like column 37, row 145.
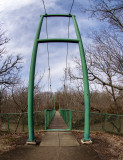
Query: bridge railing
column 49, row 114
column 18, row 122
column 101, row 122
column 66, row 114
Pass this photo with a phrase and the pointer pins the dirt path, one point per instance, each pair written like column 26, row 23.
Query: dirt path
column 108, row 146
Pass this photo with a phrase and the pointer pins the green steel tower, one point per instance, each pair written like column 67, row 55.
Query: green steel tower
column 84, row 70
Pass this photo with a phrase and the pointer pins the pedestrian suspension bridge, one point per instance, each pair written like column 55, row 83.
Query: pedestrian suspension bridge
column 58, row 120
column 62, row 119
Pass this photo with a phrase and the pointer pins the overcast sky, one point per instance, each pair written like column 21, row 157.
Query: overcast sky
column 20, row 19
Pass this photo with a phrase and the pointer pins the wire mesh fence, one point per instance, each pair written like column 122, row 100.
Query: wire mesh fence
column 114, row 124
column 49, row 114
column 39, row 120
column 78, row 120
column 18, row 122
column 101, row 122
column 66, row 115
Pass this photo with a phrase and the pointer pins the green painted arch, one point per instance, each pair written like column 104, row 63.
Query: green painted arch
column 84, row 70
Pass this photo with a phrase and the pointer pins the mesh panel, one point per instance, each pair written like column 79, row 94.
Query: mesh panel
column 49, row 114
column 78, row 120
column 114, row 124
column 66, row 115
column 39, row 120
column 3, row 123
column 97, row 122
column 19, row 122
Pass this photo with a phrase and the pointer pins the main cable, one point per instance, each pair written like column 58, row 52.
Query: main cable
column 71, row 7
column 44, row 7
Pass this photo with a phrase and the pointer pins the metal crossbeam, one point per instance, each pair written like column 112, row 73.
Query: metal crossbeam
column 57, row 15
column 58, row 40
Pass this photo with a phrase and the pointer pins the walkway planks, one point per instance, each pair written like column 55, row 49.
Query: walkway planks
column 58, row 122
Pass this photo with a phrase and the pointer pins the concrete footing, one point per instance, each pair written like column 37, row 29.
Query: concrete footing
column 86, row 142
column 31, row 142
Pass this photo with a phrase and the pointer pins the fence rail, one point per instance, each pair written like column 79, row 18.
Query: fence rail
column 18, row 122
column 102, row 122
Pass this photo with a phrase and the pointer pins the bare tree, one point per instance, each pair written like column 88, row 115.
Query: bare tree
column 105, row 54
column 9, row 65
column 9, row 70
column 105, row 67
column 105, row 60
column 20, row 96
column 107, row 10
column 3, row 41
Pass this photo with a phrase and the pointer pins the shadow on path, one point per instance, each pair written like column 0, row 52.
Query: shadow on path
column 50, row 153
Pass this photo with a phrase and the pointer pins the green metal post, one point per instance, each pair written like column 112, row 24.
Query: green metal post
column 59, row 102
column 45, row 119
column 86, row 84
column 31, row 84
column 105, row 121
column 54, row 102
column 23, row 121
column 70, row 119
column 8, row 122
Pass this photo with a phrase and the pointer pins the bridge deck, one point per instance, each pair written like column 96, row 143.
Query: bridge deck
column 58, row 138
column 57, row 122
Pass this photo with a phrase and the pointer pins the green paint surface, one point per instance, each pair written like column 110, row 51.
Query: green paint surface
column 32, row 74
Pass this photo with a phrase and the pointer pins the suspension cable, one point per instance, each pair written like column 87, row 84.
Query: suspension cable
column 44, row 7
column 71, row 7
column 68, row 43
column 66, row 68
column 49, row 77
